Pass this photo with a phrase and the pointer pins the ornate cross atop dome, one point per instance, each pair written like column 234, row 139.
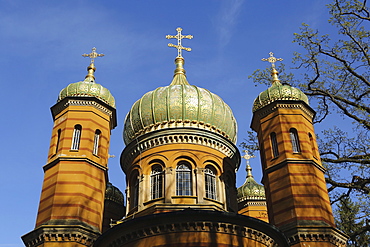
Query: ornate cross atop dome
column 93, row 55
column 272, row 59
column 179, row 37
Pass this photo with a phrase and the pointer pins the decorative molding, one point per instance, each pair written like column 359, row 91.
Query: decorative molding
column 78, row 159
column 59, row 235
column 285, row 104
column 194, row 226
column 175, row 136
column 335, row 239
column 85, row 101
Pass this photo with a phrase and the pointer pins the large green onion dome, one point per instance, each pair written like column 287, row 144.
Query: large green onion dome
column 250, row 190
column 88, row 88
column 276, row 92
column 179, row 105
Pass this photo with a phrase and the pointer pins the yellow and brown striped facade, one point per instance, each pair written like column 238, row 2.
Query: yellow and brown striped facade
column 72, row 198
column 296, row 193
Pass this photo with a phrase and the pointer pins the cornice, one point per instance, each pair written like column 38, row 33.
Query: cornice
column 176, row 136
column 85, row 101
column 282, row 104
column 60, row 234
column 77, row 159
column 195, row 221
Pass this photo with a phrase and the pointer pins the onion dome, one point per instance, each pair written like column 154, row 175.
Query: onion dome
column 112, row 193
column 277, row 91
column 179, row 105
column 250, row 190
column 88, row 87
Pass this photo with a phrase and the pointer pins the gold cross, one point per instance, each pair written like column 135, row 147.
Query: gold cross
column 93, row 55
column 272, row 59
column 179, row 37
column 247, row 156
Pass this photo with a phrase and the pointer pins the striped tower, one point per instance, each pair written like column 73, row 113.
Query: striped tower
column 296, row 193
column 72, row 198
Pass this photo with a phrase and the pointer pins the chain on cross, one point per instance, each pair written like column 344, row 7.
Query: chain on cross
column 93, row 55
column 272, row 59
column 179, row 37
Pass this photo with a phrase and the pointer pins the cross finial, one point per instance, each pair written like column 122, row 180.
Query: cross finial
column 179, row 37
column 247, row 157
column 272, row 59
column 93, row 55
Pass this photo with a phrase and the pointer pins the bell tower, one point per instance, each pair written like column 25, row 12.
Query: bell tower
column 75, row 176
column 293, row 176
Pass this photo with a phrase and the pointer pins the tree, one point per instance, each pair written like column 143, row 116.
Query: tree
column 336, row 78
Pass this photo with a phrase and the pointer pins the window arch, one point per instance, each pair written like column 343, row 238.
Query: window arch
column 76, row 137
column 295, row 141
column 274, row 144
column 96, row 142
column 58, row 140
column 210, row 182
column 156, row 182
column 134, row 190
column 312, row 144
column 183, row 179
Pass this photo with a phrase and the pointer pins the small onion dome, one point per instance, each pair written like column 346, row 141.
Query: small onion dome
column 112, row 193
column 250, row 190
column 88, row 88
column 278, row 92
column 179, row 105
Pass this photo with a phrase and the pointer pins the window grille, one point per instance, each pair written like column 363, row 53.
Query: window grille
column 275, row 148
column 183, row 180
column 210, row 183
column 76, row 137
column 294, row 139
column 96, row 142
column 156, row 179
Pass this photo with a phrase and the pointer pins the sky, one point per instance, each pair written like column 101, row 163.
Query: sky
column 41, row 43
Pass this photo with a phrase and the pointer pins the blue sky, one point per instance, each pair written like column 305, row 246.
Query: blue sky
column 41, row 43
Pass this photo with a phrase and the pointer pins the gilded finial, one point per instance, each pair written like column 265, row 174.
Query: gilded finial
column 179, row 37
column 274, row 72
column 247, row 157
column 91, row 69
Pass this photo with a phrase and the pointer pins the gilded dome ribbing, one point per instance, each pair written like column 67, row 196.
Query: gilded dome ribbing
column 88, row 88
column 250, row 190
column 278, row 92
column 179, row 105
column 112, row 193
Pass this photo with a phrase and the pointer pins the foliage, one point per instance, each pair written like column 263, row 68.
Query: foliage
column 336, row 77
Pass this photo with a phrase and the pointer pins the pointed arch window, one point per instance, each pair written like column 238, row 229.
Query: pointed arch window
column 183, row 180
column 96, row 142
column 58, row 140
column 295, row 141
column 210, row 182
column 312, row 144
column 76, row 137
column 274, row 144
column 156, row 182
column 134, row 190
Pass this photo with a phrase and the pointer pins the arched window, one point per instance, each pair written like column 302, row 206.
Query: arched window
column 134, row 190
column 76, row 137
column 156, row 182
column 274, row 144
column 295, row 141
column 58, row 140
column 96, row 142
column 312, row 144
column 210, row 182
column 183, row 180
